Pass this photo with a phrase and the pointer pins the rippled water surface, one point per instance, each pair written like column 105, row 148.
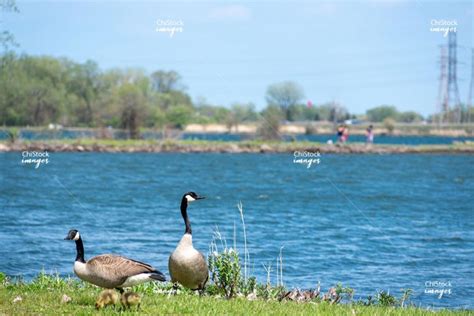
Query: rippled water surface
column 371, row 222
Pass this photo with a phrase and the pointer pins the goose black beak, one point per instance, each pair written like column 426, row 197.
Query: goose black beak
column 67, row 238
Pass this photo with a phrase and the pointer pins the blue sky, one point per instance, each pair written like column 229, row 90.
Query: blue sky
column 358, row 53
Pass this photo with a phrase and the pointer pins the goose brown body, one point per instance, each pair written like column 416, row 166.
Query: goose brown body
column 111, row 271
column 187, row 265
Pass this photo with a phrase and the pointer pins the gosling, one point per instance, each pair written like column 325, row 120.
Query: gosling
column 107, row 297
column 130, row 299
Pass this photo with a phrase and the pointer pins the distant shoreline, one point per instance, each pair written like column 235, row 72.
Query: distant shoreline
column 186, row 146
column 290, row 128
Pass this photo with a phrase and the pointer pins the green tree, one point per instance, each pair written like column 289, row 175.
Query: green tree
column 380, row 113
column 84, row 82
column 7, row 39
column 172, row 98
column 389, row 124
column 284, row 95
column 409, row 117
column 166, row 81
column 300, row 112
column 133, row 107
column 331, row 112
column 270, row 123
column 239, row 113
column 179, row 116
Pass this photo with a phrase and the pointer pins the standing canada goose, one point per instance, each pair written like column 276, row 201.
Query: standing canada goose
column 111, row 271
column 188, row 266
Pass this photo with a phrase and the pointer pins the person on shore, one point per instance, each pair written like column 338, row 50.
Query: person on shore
column 340, row 133
column 345, row 134
column 370, row 134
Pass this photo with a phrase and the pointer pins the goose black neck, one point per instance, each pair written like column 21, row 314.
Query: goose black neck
column 184, row 213
column 80, row 250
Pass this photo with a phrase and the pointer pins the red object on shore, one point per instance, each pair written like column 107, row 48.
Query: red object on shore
column 309, row 104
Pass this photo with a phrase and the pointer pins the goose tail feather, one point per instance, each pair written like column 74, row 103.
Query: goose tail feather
column 158, row 276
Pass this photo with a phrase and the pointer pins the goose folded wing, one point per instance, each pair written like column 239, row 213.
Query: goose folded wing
column 119, row 267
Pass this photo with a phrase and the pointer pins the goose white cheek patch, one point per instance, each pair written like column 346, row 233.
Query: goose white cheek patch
column 190, row 198
column 77, row 236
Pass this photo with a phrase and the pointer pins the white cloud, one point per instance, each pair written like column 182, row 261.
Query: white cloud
column 230, row 12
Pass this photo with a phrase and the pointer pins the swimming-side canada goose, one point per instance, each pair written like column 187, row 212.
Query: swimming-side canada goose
column 188, row 266
column 111, row 271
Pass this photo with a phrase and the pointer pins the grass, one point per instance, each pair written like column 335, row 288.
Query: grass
column 43, row 296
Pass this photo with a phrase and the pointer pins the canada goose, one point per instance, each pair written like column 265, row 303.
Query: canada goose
column 107, row 297
column 111, row 271
column 130, row 299
column 188, row 266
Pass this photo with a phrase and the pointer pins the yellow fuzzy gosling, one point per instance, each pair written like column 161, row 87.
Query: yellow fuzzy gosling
column 107, row 297
column 130, row 299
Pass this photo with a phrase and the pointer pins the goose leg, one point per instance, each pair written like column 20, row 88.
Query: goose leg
column 202, row 287
column 174, row 289
column 120, row 290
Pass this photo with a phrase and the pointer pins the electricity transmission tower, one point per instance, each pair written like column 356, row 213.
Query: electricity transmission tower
column 469, row 96
column 448, row 94
column 452, row 90
column 442, row 90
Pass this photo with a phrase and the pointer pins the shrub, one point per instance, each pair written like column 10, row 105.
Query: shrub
column 386, row 299
column 389, row 124
column 13, row 134
column 270, row 123
column 225, row 271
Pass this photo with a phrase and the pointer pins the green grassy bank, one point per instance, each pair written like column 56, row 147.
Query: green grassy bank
column 46, row 294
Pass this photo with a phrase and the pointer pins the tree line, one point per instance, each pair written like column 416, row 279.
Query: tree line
column 40, row 90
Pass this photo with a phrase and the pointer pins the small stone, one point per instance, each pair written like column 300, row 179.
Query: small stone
column 17, row 299
column 252, row 296
column 265, row 148
column 80, row 148
column 65, row 299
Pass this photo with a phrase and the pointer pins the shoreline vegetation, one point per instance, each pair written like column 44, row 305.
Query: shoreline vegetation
column 233, row 147
column 50, row 294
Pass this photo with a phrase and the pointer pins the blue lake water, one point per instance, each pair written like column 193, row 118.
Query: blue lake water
column 372, row 222
column 322, row 138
